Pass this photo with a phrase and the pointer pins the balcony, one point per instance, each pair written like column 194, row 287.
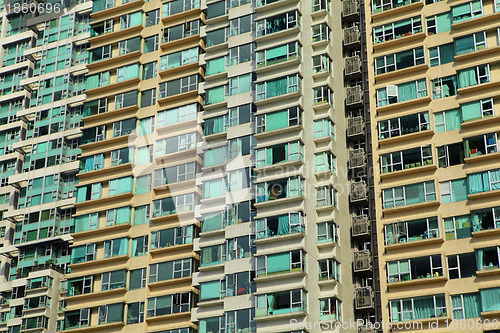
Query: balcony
column 362, row 261
column 354, row 95
column 366, row 330
column 359, row 191
column 355, row 126
column 350, row 7
column 353, row 65
column 351, row 36
column 357, row 158
column 360, row 225
column 364, row 298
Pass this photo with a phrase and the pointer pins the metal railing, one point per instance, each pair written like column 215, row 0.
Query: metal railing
column 350, row 7
column 355, row 126
column 351, row 35
column 359, row 191
column 352, row 65
column 360, row 225
column 362, row 260
column 356, row 158
column 364, row 298
column 354, row 95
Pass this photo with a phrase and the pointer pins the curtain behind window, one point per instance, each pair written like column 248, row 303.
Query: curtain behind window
column 467, row 77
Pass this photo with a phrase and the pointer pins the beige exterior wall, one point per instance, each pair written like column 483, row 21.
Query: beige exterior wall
column 438, row 246
column 136, row 169
column 306, row 204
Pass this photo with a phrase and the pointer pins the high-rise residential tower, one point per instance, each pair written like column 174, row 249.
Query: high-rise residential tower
column 135, row 220
column 275, row 231
column 186, row 166
column 434, row 78
column 43, row 51
column 224, row 120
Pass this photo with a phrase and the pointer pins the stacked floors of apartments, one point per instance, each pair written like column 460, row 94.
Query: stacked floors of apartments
column 133, row 254
column 434, row 78
column 181, row 166
column 196, row 206
column 276, row 111
column 41, row 96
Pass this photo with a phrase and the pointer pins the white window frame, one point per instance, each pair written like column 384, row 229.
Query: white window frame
column 84, row 318
column 446, row 190
column 323, row 32
column 479, row 44
column 335, row 266
column 330, row 301
column 293, row 50
column 472, row 13
column 487, row 111
column 327, row 128
column 325, row 196
column 324, row 63
column 234, row 83
column 291, row 19
column 412, row 310
column 331, row 232
column 235, row 25
column 403, row 197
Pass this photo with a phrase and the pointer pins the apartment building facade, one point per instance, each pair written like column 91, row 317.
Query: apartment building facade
column 42, row 75
column 274, row 149
column 433, row 93
column 181, row 166
column 137, row 192
column 243, row 97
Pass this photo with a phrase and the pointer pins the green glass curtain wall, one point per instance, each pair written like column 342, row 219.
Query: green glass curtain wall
column 143, row 184
column 483, row 181
column 459, row 189
column 276, row 52
column 215, row 95
column 212, row 222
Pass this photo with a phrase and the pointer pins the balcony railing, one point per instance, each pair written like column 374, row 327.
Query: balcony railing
column 350, row 7
column 366, row 330
column 360, row 225
column 352, row 65
column 359, row 191
column 356, row 158
column 364, row 298
column 354, row 95
column 362, row 260
column 355, row 126
column 48, row 265
column 351, row 35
